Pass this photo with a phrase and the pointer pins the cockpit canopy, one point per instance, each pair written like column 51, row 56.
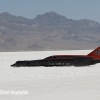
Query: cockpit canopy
column 50, row 57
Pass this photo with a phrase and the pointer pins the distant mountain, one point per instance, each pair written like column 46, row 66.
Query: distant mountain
column 49, row 31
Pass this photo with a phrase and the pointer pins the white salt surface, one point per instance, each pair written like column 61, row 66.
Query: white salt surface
column 48, row 83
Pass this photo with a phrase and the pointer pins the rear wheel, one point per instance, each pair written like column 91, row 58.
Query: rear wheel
column 76, row 62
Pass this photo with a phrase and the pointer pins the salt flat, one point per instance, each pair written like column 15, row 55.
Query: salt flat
column 48, row 83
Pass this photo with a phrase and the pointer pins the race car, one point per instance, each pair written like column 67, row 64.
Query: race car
column 63, row 60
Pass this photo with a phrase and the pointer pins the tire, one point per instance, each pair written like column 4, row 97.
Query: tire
column 76, row 62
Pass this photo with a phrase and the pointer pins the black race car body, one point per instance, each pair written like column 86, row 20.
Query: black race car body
column 63, row 60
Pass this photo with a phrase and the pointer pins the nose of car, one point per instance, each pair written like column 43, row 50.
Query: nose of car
column 13, row 65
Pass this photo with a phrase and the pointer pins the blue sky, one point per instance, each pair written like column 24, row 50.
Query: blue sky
column 71, row 9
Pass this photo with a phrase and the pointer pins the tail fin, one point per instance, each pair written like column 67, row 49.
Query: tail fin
column 95, row 53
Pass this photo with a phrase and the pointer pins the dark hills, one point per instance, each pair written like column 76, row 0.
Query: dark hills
column 49, row 31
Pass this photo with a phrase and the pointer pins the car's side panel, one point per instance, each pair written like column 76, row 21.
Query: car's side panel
column 78, row 61
column 82, row 61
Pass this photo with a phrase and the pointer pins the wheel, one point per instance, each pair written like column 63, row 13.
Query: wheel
column 76, row 62
column 27, row 64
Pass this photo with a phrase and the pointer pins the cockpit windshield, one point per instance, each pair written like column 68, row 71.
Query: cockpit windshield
column 50, row 57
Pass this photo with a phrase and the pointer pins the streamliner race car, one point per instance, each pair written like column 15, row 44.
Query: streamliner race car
column 63, row 60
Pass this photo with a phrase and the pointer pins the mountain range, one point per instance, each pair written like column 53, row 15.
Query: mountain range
column 49, row 31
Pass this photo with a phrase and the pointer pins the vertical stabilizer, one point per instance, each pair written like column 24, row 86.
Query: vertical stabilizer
column 95, row 53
